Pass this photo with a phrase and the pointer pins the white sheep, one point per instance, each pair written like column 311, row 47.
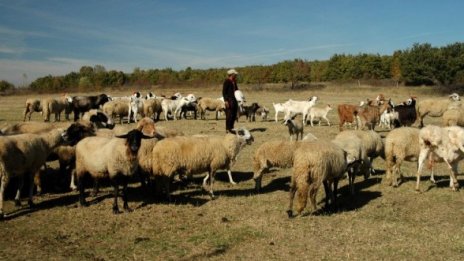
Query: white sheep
column 56, row 106
column 24, row 154
column 453, row 116
column 354, row 147
column 118, row 107
column 316, row 163
column 210, row 104
column 319, row 113
column 195, row 155
column 401, row 144
column 435, row 107
column 114, row 158
column 277, row 153
column 445, row 143
column 152, row 108
column 294, row 128
column 372, row 143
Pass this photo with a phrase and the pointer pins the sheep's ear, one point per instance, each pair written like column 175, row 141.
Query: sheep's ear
column 158, row 136
column 149, row 137
column 124, row 136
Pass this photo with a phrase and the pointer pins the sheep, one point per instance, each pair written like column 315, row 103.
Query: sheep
column 117, row 107
column 152, row 108
column 434, row 107
column 81, row 104
column 278, row 107
column 401, row 144
column 56, row 106
column 316, row 163
column 210, row 104
column 294, row 128
column 444, row 143
column 32, row 105
column 195, row 155
column 98, row 118
column 453, row 116
column 319, row 113
column 115, row 158
column 354, row 147
column 372, row 143
column 24, row 154
column 277, row 153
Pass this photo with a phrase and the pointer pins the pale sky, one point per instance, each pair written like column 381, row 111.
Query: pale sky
column 57, row 37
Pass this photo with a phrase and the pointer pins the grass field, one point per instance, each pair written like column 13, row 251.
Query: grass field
column 378, row 223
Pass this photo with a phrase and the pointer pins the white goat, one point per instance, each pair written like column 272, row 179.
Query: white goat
column 320, row 113
column 299, row 107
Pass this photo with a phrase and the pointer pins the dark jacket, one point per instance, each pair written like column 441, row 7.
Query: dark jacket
column 228, row 90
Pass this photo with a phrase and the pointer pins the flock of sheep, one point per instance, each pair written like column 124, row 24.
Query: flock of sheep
column 94, row 146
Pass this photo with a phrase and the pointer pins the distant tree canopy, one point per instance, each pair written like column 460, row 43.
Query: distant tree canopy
column 5, row 86
column 422, row 64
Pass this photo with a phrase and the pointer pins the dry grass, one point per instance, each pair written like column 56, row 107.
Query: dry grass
column 377, row 223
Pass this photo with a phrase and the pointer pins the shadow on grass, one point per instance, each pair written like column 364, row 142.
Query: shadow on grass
column 65, row 200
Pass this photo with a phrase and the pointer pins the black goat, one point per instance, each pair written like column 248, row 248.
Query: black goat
column 407, row 114
column 248, row 111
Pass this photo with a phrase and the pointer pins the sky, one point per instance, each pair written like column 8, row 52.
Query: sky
column 56, row 37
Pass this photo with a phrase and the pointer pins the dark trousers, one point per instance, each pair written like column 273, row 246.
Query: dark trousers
column 231, row 115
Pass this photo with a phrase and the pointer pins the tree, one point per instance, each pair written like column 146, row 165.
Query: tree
column 5, row 86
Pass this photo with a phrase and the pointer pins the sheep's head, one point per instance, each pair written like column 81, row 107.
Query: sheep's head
column 245, row 135
column 101, row 120
column 133, row 141
column 454, row 97
column 77, row 131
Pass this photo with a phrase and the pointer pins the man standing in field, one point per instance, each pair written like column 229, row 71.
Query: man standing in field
column 228, row 92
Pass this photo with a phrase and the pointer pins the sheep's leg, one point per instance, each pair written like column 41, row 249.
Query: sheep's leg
column 18, row 191
column 124, row 195
column 292, row 196
column 454, row 184
column 231, row 180
column 258, row 176
column 80, row 184
column 422, row 157
column 313, row 188
column 31, row 188
column 72, row 184
column 4, row 183
column 96, row 188
column 328, row 193
column 116, row 195
column 311, row 121
column 211, row 192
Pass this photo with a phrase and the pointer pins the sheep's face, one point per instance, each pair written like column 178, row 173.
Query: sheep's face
column 77, row 132
column 246, row 135
column 101, row 119
column 133, row 140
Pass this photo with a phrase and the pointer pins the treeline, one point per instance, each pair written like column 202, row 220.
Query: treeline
column 422, row 64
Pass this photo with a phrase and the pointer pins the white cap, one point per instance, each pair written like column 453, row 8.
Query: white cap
column 232, row 71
